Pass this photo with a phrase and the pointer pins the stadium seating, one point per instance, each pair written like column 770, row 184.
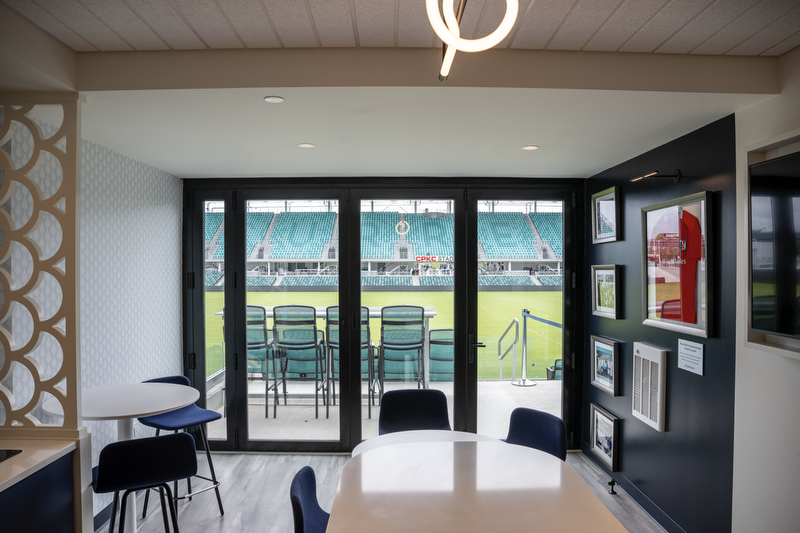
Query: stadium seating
column 436, row 281
column 212, row 222
column 505, row 236
column 550, row 280
column 550, row 227
column 257, row 224
column 386, row 281
column 255, row 280
column 430, row 236
column 505, row 280
column 310, row 281
column 220, row 253
column 301, row 235
column 212, row 277
column 378, row 234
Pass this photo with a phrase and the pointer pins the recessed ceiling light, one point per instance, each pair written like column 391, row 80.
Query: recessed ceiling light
column 530, row 147
column 305, row 145
column 273, row 99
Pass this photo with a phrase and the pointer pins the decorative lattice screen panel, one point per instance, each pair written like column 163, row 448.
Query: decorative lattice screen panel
column 38, row 254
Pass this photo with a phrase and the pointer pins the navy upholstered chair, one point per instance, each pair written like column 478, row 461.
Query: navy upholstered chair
column 309, row 517
column 410, row 409
column 537, row 429
column 138, row 464
column 181, row 419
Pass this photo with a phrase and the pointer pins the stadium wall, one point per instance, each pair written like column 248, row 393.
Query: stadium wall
column 684, row 476
column 405, row 288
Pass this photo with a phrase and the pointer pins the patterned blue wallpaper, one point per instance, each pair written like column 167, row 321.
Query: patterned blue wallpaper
column 130, row 278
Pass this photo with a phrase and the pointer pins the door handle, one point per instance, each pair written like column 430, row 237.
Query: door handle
column 472, row 346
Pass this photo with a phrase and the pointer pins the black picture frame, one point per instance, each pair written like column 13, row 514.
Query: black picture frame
column 606, row 284
column 605, row 356
column 604, row 442
column 606, row 226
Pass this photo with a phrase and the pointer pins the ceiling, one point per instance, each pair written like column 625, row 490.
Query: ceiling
column 475, row 124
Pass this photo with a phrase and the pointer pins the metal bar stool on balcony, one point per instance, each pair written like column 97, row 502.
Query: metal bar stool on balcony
column 367, row 355
column 149, row 463
column 181, row 419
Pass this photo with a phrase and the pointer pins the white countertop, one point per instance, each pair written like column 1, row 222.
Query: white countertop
column 36, row 454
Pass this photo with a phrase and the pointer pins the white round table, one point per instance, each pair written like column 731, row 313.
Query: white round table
column 127, row 401
column 422, row 435
column 123, row 403
column 464, row 486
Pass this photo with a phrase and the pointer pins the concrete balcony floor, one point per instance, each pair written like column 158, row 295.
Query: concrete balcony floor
column 297, row 421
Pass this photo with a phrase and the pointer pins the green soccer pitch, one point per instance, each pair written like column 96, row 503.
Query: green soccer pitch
column 496, row 310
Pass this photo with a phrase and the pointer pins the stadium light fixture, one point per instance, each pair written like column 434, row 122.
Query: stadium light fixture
column 676, row 176
column 446, row 25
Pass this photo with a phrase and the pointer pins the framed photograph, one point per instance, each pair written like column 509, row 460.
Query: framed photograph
column 606, row 281
column 677, row 268
column 605, row 436
column 605, row 365
column 605, row 216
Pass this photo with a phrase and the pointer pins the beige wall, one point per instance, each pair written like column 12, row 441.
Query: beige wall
column 766, row 477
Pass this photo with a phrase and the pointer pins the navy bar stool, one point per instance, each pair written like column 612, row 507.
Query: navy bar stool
column 181, row 419
column 149, row 463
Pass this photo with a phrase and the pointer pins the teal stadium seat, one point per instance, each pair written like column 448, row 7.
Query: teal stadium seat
column 431, row 236
column 212, row 222
column 220, row 253
column 386, row 281
column 301, row 235
column 505, row 280
column 257, row 225
column 505, row 236
column 550, row 280
column 550, row 227
column 436, row 281
column 378, row 234
column 212, row 277
column 310, row 281
column 255, row 280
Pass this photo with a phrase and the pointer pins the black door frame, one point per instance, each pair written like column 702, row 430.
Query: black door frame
column 465, row 192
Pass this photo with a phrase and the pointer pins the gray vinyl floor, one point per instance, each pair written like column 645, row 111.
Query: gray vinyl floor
column 255, row 493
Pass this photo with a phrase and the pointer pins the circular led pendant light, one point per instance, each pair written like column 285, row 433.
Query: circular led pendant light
column 447, row 28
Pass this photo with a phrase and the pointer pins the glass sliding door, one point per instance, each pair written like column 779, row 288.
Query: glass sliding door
column 264, row 274
column 292, row 282
column 407, row 292
column 295, row 324
column 519, row 309
column 212, row 282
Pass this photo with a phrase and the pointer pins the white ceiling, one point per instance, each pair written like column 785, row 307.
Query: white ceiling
column 390, row 131
column 737, row 27
column 379, row 128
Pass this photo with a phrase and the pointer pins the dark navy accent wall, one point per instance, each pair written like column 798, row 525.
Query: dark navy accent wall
column 684, row 476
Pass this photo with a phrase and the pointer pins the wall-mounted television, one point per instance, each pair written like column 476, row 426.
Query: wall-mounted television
column 775, row 245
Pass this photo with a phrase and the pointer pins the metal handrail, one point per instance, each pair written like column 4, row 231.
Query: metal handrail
column 515, row 323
